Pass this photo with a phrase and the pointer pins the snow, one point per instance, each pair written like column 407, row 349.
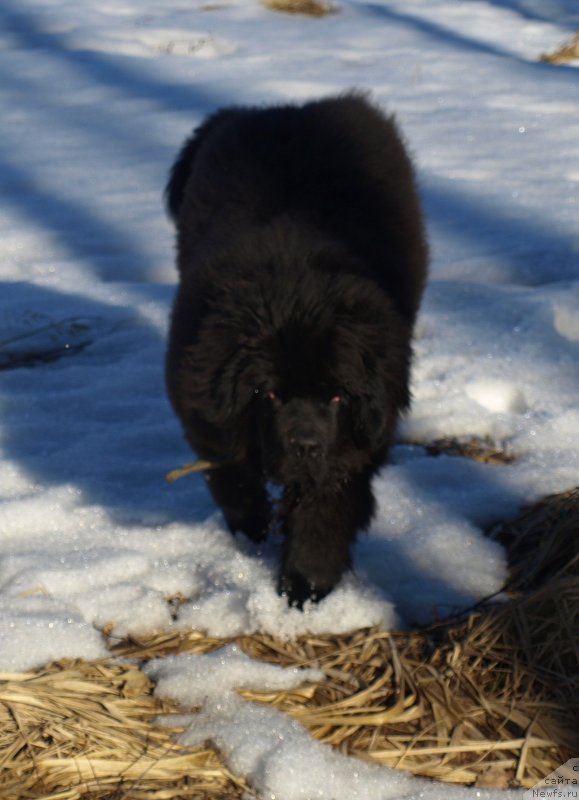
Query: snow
column 97, row 97
column 275, row 752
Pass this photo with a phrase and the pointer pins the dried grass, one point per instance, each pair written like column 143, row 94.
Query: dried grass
column 564, row 54
column 473, row 447
column 85, row 729
column 312, row 8
column 543, row 542
column 447, row 703
column 491, row 700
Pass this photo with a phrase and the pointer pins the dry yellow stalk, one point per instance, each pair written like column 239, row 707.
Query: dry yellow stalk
column 312, row 8
column 189, row 469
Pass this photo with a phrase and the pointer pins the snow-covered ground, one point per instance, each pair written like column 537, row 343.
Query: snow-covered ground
column 96, row 97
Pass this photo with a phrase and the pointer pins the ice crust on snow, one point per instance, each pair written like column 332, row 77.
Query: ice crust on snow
column 96, row 101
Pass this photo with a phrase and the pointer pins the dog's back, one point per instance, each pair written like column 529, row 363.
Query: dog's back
column 336, row 167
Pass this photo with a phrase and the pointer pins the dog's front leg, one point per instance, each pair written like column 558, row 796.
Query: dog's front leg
column 320, row 528
column 240, row 494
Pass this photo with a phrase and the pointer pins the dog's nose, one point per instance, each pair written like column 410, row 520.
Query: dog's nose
column 305, row 446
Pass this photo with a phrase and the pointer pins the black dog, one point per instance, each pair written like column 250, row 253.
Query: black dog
column 302, row 260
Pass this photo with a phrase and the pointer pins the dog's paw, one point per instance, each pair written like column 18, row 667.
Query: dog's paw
column 297, row 589
column 255, row 526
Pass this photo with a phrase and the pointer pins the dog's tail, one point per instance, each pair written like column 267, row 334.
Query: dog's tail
column 183, row 166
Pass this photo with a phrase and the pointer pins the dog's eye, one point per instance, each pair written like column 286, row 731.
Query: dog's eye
column 336, row 399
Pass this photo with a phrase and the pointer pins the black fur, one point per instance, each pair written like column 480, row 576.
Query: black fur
column 302, row 260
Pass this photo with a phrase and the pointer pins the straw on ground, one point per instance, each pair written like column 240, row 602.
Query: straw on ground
column 491, row 700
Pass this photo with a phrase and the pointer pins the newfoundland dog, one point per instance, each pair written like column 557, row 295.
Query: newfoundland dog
column 302, row 259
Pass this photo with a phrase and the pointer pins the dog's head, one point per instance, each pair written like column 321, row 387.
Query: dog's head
column 307, row 385
column 328, row 402
column 300, row 435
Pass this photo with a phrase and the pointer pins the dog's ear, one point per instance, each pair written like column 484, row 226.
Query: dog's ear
column 376, row 411
column 233, row 386
column 217, row 381
column 370, row 419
